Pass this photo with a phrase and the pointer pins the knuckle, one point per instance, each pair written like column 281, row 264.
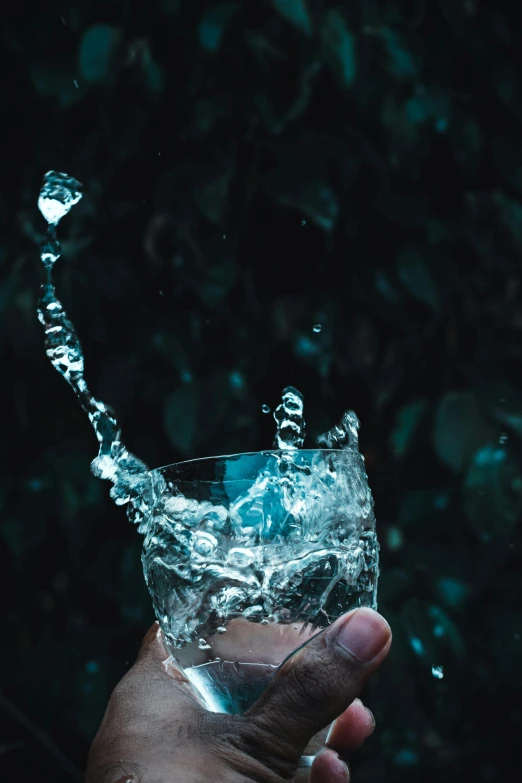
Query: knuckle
column 308, row 684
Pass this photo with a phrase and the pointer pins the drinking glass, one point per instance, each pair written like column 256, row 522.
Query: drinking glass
column 248, row 556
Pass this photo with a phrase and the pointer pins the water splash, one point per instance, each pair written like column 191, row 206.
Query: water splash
column 129, row 475
column 291, row 427
column 344, row 435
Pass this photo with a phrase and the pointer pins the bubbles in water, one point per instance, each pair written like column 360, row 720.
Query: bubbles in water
column 265, row 408
column 318, row 328
column 58, row 194
column 437, row 672
column 290, row 422
column 344, row 435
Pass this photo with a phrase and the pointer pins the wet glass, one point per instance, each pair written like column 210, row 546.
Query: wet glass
column 248, row 556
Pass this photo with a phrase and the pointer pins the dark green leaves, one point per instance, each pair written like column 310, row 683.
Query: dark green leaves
column 296, row 12
column 301, row 182
column 338, row 44
column 195, row 411
column 458, row 429
column 214, row 24
column 96, row 51
column 493, row 492
column 406, row 426
column 426, row 273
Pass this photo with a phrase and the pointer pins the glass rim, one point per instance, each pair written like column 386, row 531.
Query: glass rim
column 250, row 453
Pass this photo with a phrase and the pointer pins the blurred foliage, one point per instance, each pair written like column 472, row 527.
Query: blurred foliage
column 251, row 170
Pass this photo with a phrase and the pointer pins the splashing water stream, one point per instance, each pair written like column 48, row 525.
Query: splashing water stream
column 299, row 539
column 130, row 476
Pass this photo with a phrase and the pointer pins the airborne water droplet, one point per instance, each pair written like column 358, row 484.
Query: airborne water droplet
column 344, row 435
column 202, row 645
column 317, row 328
column 265, row 408
column 59, row 193
column 437, row 671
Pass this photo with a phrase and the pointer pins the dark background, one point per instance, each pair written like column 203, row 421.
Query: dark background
column 251, row 169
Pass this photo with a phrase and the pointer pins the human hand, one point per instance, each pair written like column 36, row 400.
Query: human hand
column 155, row 730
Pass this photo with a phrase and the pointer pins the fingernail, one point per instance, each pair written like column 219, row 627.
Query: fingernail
column 344, row 767
column 364, row 634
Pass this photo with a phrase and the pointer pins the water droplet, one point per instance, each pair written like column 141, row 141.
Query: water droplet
column 303, row 222
column 76, row 84
column 502, row 438
column 318, row 328
column 437, row 672
column 204, row 543
column 290, row 422
column 221, row 629
column 344, row 435
column 265, row 408
column 202, row 645
column 58, row 194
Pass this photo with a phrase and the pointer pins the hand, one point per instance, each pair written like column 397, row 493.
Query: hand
column 156, row 731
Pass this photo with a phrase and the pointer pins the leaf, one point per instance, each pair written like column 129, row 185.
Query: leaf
column 425, row 272
column 196, row 409
column 96, row 52
column 502, row 400
column 207, row 113
column 301, row 182
column 466, row 141
column 406, row 425
column 339, row 47
column 401, row 62
column 210, row 186
column 452, row 591
column 492, row 492
column 214, row 24
column 459, row 428
column 56, row 81
column 296, row 12
column 181, row 418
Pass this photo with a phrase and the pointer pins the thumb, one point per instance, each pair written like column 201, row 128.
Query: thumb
column 319, row 682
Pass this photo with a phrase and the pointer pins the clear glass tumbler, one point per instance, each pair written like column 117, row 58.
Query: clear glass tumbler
column 248, row 556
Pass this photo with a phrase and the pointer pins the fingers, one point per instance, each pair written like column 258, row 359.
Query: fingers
column 320, row 681
column 348, row 732
column 329, row 768
column 351, row 728
column 157, row 670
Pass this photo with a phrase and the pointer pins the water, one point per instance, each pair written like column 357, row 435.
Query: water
column 245, row 564
column 129, row 475
column 290, row 433
column 344, row 435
